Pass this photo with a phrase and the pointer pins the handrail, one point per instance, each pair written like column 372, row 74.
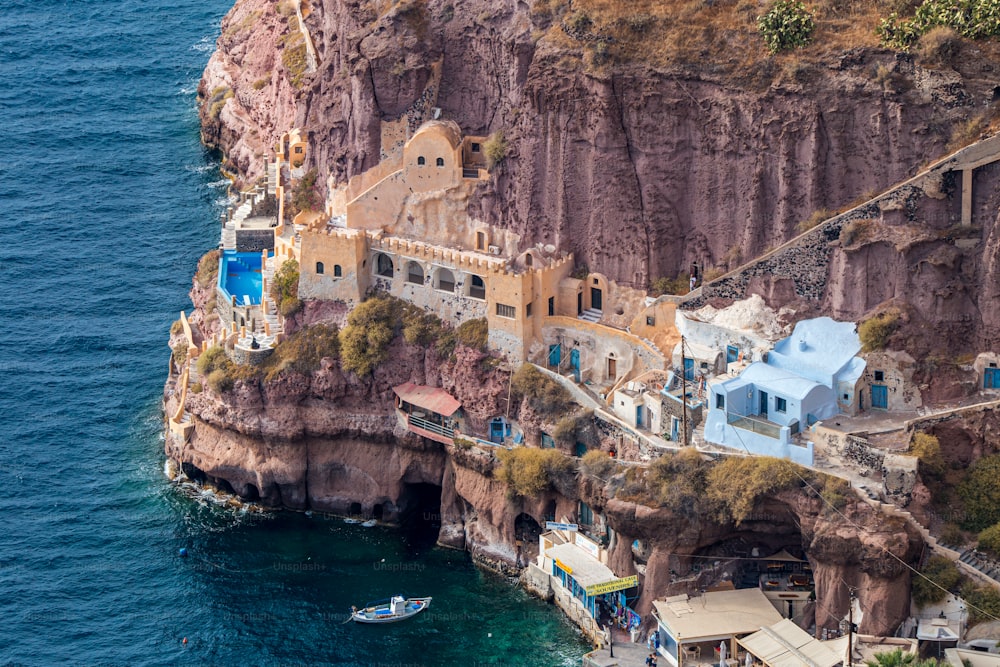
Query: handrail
column 430, row 426
column 748, row 423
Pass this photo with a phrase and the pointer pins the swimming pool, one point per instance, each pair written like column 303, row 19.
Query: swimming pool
column 239, row 275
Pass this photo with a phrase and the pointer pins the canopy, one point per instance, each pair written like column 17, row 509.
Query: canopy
column 783, row 556
column 785, row 644
column 584, row 568
column 429, row 398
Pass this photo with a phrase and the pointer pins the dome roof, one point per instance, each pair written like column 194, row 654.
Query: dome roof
column 447, row 128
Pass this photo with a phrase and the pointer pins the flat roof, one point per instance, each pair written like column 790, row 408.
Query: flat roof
column 716, row 613
column 785, row 644
column 586, row 569
column 429, row 398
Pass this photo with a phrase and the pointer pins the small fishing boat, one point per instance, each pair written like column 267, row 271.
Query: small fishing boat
column 394, row 609
column 370, row 523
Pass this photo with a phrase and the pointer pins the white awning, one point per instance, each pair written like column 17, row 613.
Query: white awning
column 587, row 570
column 785, row 644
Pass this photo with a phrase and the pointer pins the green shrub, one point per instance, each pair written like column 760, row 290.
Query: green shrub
column 179, row 353
column 528, row 471
column 980, row 493
column 568, row 429
column 473, row 333
column 289, row 306
column 295, row 60
column 939, row 46
column 208, row 269
column 598, row 464
column 211, row 359
column 875, row 331
column 285, row 283
column 856, row 231
column 737, row 483
column 304, row 350
column 495, row 148
column 678, row 481
column 219, row 381
column 927, row 449
column 176, row 328
column 663, row 285
column 420, row 328
column 985, row 598
column 941, row 571
column 196, row 388
column 786, row 25
column 545, row 396
column 952, row 535
column 305, row 195
column 579, row 23
column 974, row 19
column 364, row 342
column 837, row 492
column 989, row 540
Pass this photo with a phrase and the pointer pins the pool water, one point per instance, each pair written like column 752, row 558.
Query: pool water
column 239, row 275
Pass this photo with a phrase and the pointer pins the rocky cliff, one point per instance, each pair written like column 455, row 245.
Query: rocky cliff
column 638, row 169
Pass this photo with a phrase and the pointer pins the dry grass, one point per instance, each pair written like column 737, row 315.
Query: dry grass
column 667, row 33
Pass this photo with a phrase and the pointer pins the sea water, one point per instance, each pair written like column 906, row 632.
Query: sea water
column 107, row 200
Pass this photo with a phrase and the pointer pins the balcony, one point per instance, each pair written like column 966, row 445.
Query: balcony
column 763, row 427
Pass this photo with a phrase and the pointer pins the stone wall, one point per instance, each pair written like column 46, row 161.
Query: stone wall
column 254, row 240
column 245, row 357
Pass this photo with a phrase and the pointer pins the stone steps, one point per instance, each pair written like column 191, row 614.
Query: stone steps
column 591, row 315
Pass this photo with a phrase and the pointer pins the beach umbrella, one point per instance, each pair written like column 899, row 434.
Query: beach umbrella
column 722, row 653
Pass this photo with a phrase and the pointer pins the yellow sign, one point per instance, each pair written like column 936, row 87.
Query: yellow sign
column 562, row 566
column 612, row 586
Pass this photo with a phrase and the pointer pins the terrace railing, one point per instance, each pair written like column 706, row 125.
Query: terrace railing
column 765, row 428
column 430, row 426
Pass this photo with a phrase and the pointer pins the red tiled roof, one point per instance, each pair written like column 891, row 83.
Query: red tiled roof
column 429, row 398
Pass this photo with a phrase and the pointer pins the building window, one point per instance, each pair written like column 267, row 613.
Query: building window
column 650, row 321
column 421, row 161
column 586, row 514
column 552, row 306
column 480, row 241
column 383, row 265
column 880, row 376
column 527, row 259
column 440, row 162
column 780, row 405
column 298, row 150
column 595, row 281
column 475, row 147
column 337, row 271
column 445, row 280
column 477, row 288
column 720, row 401
column 527, row 310
column 319, row 268
column 547, row 441
column 414, row 274
column 504, row 310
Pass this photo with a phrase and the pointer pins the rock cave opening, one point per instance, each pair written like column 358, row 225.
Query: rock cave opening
column 526, row 532
column 354, row 509
column 420, row 513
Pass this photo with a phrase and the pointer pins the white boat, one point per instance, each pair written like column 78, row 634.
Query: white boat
column 396, row 608
column 370, row 523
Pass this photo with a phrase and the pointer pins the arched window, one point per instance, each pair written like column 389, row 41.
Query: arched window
column 337, row 272
column 319, row 268
column 414, row 274
column 527, row 259
column 383, row 265
column 445, row 280
column 477, row 288
column 421, row 161
column 440, row 162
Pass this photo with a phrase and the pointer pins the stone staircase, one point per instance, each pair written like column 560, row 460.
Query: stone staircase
column 591, row 315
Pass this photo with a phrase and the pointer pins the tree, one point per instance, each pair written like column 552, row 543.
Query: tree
column 980, row 494
column 893, row 659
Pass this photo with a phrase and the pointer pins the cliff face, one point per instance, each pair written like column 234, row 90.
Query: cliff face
column 637, row 171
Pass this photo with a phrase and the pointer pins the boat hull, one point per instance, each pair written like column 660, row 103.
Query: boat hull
column 383, row 613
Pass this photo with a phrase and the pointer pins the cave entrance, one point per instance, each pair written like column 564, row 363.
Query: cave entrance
column 420, row 514
column 526, row 532
column 378, row 512
column 354, row 509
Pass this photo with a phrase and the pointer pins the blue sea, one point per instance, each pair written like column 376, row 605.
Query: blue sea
column 107, row 199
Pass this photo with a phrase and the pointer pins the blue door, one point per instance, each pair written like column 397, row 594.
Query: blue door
column 880, row 397
column 496, row 431
column 991, row 378
column 638, row 416
column 763, row 404
column 732, row 354
column 555, row 355
column 688, row 369
column 675, row 430
column 574, row 363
